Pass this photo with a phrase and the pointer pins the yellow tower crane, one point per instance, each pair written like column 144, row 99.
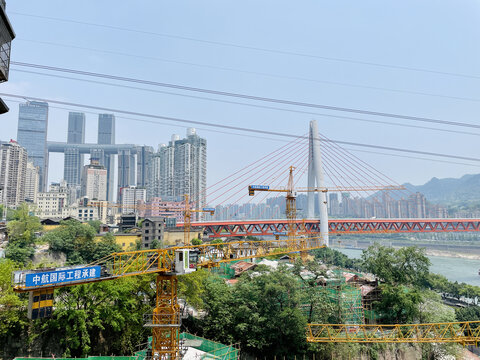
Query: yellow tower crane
column 166, row 263
column 186, row 211
column 291, row 195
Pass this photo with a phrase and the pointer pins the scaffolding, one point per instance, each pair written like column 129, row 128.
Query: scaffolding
column 348, row 299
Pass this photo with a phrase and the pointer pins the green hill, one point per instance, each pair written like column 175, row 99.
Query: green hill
column 450, row 190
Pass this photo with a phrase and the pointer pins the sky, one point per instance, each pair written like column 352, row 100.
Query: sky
column 439, row 37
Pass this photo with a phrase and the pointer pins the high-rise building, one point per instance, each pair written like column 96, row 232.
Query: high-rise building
column 94, row 181
column 106, row 136
column 131, row 197
column 73, row 160
column 32, row 135
column 180, row 168
column 144, row 156
column 126, row 171
column 13, row 169
column 31, row 182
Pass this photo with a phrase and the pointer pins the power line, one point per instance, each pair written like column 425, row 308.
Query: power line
column 257, row 73
column 248, row 97
column 258, row 137
column 230, row 127
column 254, row 48
column 247, row 104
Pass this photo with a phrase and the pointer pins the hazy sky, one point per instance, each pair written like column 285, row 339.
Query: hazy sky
column 440, row 36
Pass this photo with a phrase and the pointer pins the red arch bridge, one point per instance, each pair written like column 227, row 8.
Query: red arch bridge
column 336, row 226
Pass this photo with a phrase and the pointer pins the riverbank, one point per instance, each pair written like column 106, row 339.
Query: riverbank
column 452, row 254
column 454, row 268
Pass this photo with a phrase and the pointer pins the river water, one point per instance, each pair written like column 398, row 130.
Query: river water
column 454, row 269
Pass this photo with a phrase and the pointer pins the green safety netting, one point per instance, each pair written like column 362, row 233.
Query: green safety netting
column 87, row 358
column 213, row 349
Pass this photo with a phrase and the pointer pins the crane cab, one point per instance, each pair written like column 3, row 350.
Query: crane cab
column 185, row 261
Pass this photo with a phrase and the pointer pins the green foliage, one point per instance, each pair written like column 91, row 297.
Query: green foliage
column 405, row 266
column 21, row 235
column 18, row 253
column 105, row 247
column 318, row 308
column 471, row 313
column 196, row 242
column 77, row 242
column 441, row 284
column 74, row 239
column 432, row 310
column 262, row 313
column 398, row 304
column 192, row 287
column 96, row 224
column 12, row 318
column 100, row 318
column 22, row 228
column 334, row 257
column 155, row 244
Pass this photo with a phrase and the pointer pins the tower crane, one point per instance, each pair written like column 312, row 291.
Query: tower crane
column 166, row 263
column 291, row 195
column 187, row 213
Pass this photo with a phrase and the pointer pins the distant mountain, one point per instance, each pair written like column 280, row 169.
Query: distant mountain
column 450, row 190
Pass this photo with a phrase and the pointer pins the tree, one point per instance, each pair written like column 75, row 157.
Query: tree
column 405, row 266
column 12, row 307
column 334, row 257
column 196, row 242
column 22, row 228
column 192, row 287
column 96, row 224
column 75, row 240
column 319, row 308
column 155, row 244
column 106, row 246
column 260, row 312
column 101, row 318
column 398, row 304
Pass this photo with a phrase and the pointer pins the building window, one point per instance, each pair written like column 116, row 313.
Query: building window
column 147, row 231
column 147, row 223
column 145, row 245
column 146, row 238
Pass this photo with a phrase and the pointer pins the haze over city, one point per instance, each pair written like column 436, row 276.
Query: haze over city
column 241, row 180
column 146, row 50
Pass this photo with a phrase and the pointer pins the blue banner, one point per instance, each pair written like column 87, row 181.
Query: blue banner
column 259, row 187
column 62, row 276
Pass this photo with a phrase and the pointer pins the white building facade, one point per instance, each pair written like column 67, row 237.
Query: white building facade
column 13, row 170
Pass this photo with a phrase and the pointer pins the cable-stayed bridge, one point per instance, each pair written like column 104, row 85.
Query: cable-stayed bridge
column 336, row 226
column 329, row 168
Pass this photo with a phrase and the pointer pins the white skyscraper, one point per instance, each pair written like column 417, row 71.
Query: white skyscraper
column 13, row 169
column 130, row 197
column 94, row 181
column 180, row 168
column 32, row 181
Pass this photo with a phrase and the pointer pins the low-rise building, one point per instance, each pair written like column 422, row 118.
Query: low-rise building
column 152, row 231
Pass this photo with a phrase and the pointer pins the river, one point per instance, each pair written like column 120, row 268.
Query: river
column 454, row 269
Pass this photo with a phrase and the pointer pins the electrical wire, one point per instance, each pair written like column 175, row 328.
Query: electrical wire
column 250, row 105
column 247, row 96
column 230, row 127
column 253, row 48
column 256, row 73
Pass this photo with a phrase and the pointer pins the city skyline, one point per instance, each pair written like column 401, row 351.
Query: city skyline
column 166, row 62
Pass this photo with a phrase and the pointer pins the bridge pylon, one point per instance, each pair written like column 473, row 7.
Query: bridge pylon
column 316, row 179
